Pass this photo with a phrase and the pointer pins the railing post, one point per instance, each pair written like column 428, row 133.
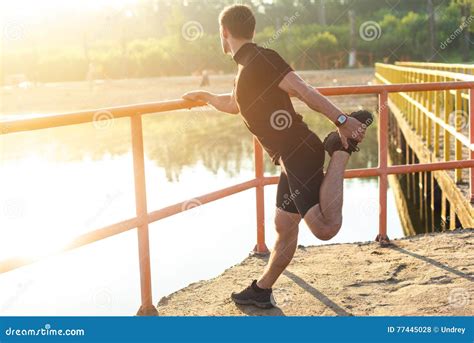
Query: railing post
column 447, row 135
column 458, row 111
column 383, row 158
column 147, row 308
column 260, row 248
column 437, row 105
column 471, row 139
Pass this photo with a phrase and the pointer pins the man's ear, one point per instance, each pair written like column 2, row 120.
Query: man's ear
column 225, row 32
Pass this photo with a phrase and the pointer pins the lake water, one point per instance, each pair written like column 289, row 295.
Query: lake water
column 58, row 183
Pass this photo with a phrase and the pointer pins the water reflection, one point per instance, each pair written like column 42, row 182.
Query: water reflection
column 173, row 140
column 223, row 142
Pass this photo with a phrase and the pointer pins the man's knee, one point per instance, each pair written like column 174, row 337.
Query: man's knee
column 326, row 235
column 286, row 223
column 286, row 230
column 326, row 231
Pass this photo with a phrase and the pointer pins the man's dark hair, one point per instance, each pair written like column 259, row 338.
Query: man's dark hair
column 239, row 20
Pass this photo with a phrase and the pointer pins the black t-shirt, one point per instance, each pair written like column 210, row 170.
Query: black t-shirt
column 266, row 108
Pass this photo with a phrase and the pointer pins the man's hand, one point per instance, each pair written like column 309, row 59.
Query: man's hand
column 197, row 96
column 352, row 128
column 221, row 102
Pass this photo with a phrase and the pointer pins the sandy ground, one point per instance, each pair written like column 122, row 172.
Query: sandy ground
column 422, row 275
column 72, row 96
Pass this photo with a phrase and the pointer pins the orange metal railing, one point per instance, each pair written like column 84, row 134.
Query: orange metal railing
column 143, row 218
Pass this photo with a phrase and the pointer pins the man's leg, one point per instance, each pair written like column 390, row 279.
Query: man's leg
column 259, row 293
column 286, row 224
column 325, row 218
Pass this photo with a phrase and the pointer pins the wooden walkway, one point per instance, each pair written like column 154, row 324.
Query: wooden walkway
column 430, row 201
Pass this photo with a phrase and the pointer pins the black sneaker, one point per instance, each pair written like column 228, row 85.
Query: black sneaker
column 253, row 295
column 333, row 142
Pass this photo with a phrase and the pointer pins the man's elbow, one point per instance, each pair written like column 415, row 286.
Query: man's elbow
column 233, row 108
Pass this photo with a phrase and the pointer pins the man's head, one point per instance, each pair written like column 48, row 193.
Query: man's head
column 237, row 22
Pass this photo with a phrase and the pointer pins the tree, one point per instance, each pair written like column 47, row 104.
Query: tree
column 465, row 8
column 432, row 29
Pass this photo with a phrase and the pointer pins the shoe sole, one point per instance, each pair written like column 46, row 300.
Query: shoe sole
column 366, row 119
column 254, row 303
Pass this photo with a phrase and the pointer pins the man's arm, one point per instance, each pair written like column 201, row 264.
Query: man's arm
column 221, row 102
column 294, row 85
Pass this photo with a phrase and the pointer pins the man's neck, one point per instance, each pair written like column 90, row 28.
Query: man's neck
column 237, row 44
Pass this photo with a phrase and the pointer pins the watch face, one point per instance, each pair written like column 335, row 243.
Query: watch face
column 341, row 119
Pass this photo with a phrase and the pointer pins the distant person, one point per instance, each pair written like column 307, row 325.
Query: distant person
column 94, row 72
column 261, row 94
column 204, row 79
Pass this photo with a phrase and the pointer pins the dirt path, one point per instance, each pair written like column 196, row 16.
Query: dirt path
column 73, row 96
column 422, row 275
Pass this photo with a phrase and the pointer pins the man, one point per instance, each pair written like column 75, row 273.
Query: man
column 261, row 94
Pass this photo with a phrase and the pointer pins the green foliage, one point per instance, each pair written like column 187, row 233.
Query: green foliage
column 158, row 48
column 320, row 42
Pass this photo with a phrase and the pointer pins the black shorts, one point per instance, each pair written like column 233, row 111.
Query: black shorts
column 301, row 176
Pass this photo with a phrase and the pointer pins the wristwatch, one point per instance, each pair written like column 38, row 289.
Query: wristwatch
column 341, row 120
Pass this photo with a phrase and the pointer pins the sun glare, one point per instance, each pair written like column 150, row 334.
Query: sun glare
column 24, row 9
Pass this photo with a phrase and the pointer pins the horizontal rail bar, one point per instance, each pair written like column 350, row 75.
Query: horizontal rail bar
column 349, row 174
column 392, row 170
column 79, row 241
column 43, row 121
column 434, row 166
column 35, row 122
column 442, row 73
column 201, row 200
column 126, row 225
column 165, row 212
column 443, row 66
column 395, row 88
